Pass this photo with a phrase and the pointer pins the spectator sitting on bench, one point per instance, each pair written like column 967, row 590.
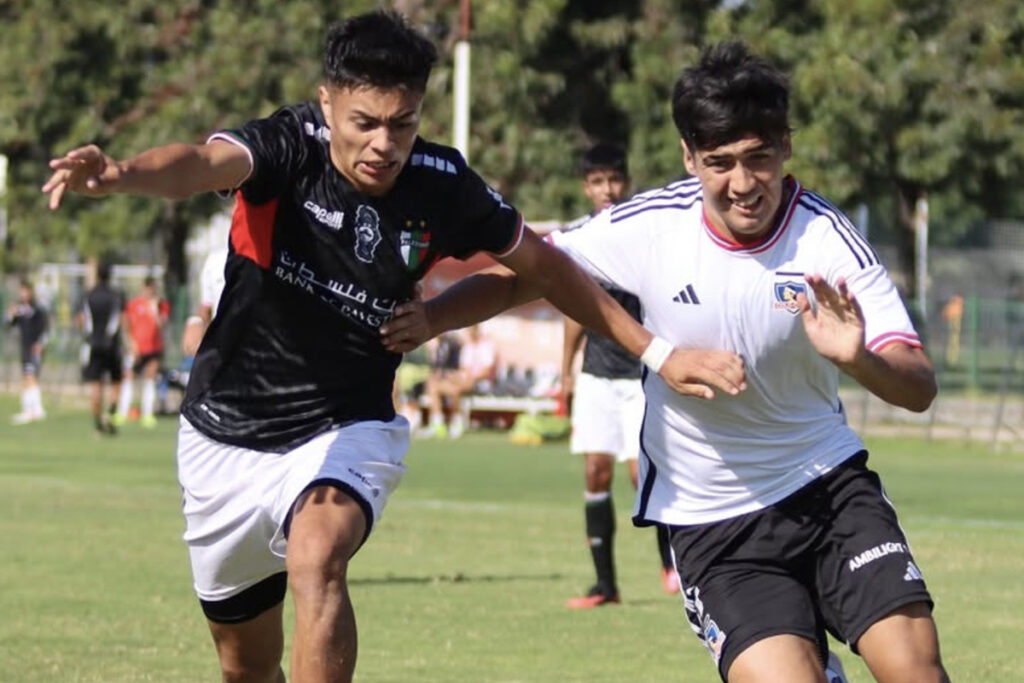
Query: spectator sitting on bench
column 472, row 371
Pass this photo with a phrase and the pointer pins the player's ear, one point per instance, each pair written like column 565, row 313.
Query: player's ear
column 688, row 160
column 325, row 102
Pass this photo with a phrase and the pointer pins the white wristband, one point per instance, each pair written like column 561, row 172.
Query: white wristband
column 656, row 353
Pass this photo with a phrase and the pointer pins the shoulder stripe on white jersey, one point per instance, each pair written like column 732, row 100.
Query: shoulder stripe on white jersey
column 819, row 205
column 680, row 188
column 845, row 220
column 656, row 204
column 855, row 249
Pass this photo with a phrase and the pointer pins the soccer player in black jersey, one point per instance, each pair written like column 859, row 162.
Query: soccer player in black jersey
column 289, row 443
column 99, row 318
column 32, row 322
column 607, row 399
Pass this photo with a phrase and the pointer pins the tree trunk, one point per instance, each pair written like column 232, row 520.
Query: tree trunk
column 906, row 199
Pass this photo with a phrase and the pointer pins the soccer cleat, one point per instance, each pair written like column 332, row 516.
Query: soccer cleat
column 594, row 598
column 670, row 580
column 22, row 418
column 148, row 421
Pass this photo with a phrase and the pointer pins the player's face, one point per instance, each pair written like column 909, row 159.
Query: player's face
column 742, row 184
column 372, row 133
column 604, row 187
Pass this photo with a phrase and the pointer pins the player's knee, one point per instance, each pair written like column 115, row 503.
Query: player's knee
column 317, row 566
column 599, row 472
column 252, row 670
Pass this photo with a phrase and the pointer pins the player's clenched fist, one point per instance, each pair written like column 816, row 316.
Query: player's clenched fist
column 697, row 373
column 86, row 170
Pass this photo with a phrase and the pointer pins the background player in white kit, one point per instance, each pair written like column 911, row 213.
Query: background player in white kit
column 607, row 399
column 779, row 528
column 289, row 444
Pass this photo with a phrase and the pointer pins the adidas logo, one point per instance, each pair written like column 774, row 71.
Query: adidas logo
column 913, row 573
column 686, row 296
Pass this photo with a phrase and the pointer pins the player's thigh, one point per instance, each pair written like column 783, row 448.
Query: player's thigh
column 778, row 659
column 631, row 404
column 250, row 648
column 865, row 568
column 903, row 646
column 353, row 470
column 739, row 589
column 228, row 494
column 596, row 426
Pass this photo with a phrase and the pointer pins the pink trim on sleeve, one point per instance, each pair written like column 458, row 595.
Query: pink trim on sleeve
column 883, row 340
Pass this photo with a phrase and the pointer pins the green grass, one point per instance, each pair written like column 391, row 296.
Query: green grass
column 465, row 578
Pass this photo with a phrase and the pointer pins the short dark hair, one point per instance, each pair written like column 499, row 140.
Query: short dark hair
column 604, row 155
column 728, row 94
column 103, row 272
column 378, row 49
column 149, row 281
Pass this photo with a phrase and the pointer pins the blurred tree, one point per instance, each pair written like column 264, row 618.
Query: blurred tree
column 891, row 98
column 131, row 75
column 898, row 99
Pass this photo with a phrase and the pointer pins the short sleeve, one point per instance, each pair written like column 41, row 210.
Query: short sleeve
column 886, row 320
column 484, row 221
column 277, row 149
column 610, row 253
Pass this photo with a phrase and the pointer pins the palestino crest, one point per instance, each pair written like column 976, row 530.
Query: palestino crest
column 367, row 232
column 785, row 295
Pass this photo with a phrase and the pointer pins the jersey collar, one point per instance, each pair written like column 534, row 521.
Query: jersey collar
column 785, row 213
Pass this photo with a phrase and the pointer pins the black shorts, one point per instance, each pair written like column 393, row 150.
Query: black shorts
column 830, row 556
column 31, row 363
column 145, row 359
column 103, row 363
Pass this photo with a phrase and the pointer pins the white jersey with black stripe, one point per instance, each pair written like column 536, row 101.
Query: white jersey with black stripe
column 705, row 461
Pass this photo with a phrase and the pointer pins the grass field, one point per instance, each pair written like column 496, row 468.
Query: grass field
column 466, row 577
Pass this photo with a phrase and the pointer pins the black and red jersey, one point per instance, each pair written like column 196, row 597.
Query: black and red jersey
column 315, row 267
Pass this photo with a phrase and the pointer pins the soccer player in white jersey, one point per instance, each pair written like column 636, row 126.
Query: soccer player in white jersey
column 607, row 399
column 289, row 445
column 779, row 528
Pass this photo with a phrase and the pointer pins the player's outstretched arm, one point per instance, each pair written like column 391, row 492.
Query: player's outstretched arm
column 548, row 271
column 899, row 374
column 536, row 269
column 174, row 171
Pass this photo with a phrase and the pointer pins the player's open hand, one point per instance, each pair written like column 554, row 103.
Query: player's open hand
column 408, row 327
column 86, row 170
column 698, row 373
column 835, row 327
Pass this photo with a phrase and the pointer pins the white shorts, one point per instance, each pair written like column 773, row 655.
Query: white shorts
column 236, row 500
column 606, row 416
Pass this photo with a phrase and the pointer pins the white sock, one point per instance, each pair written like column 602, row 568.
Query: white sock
column 148, row 396
column 124, row 401
column 26, row 401
column 35, row 401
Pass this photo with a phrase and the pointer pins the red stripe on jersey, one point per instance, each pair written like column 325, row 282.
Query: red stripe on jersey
column 252, row 229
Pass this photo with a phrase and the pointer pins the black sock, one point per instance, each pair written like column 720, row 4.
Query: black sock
column 600, row 516
column 664, row 548
column 99, row 422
